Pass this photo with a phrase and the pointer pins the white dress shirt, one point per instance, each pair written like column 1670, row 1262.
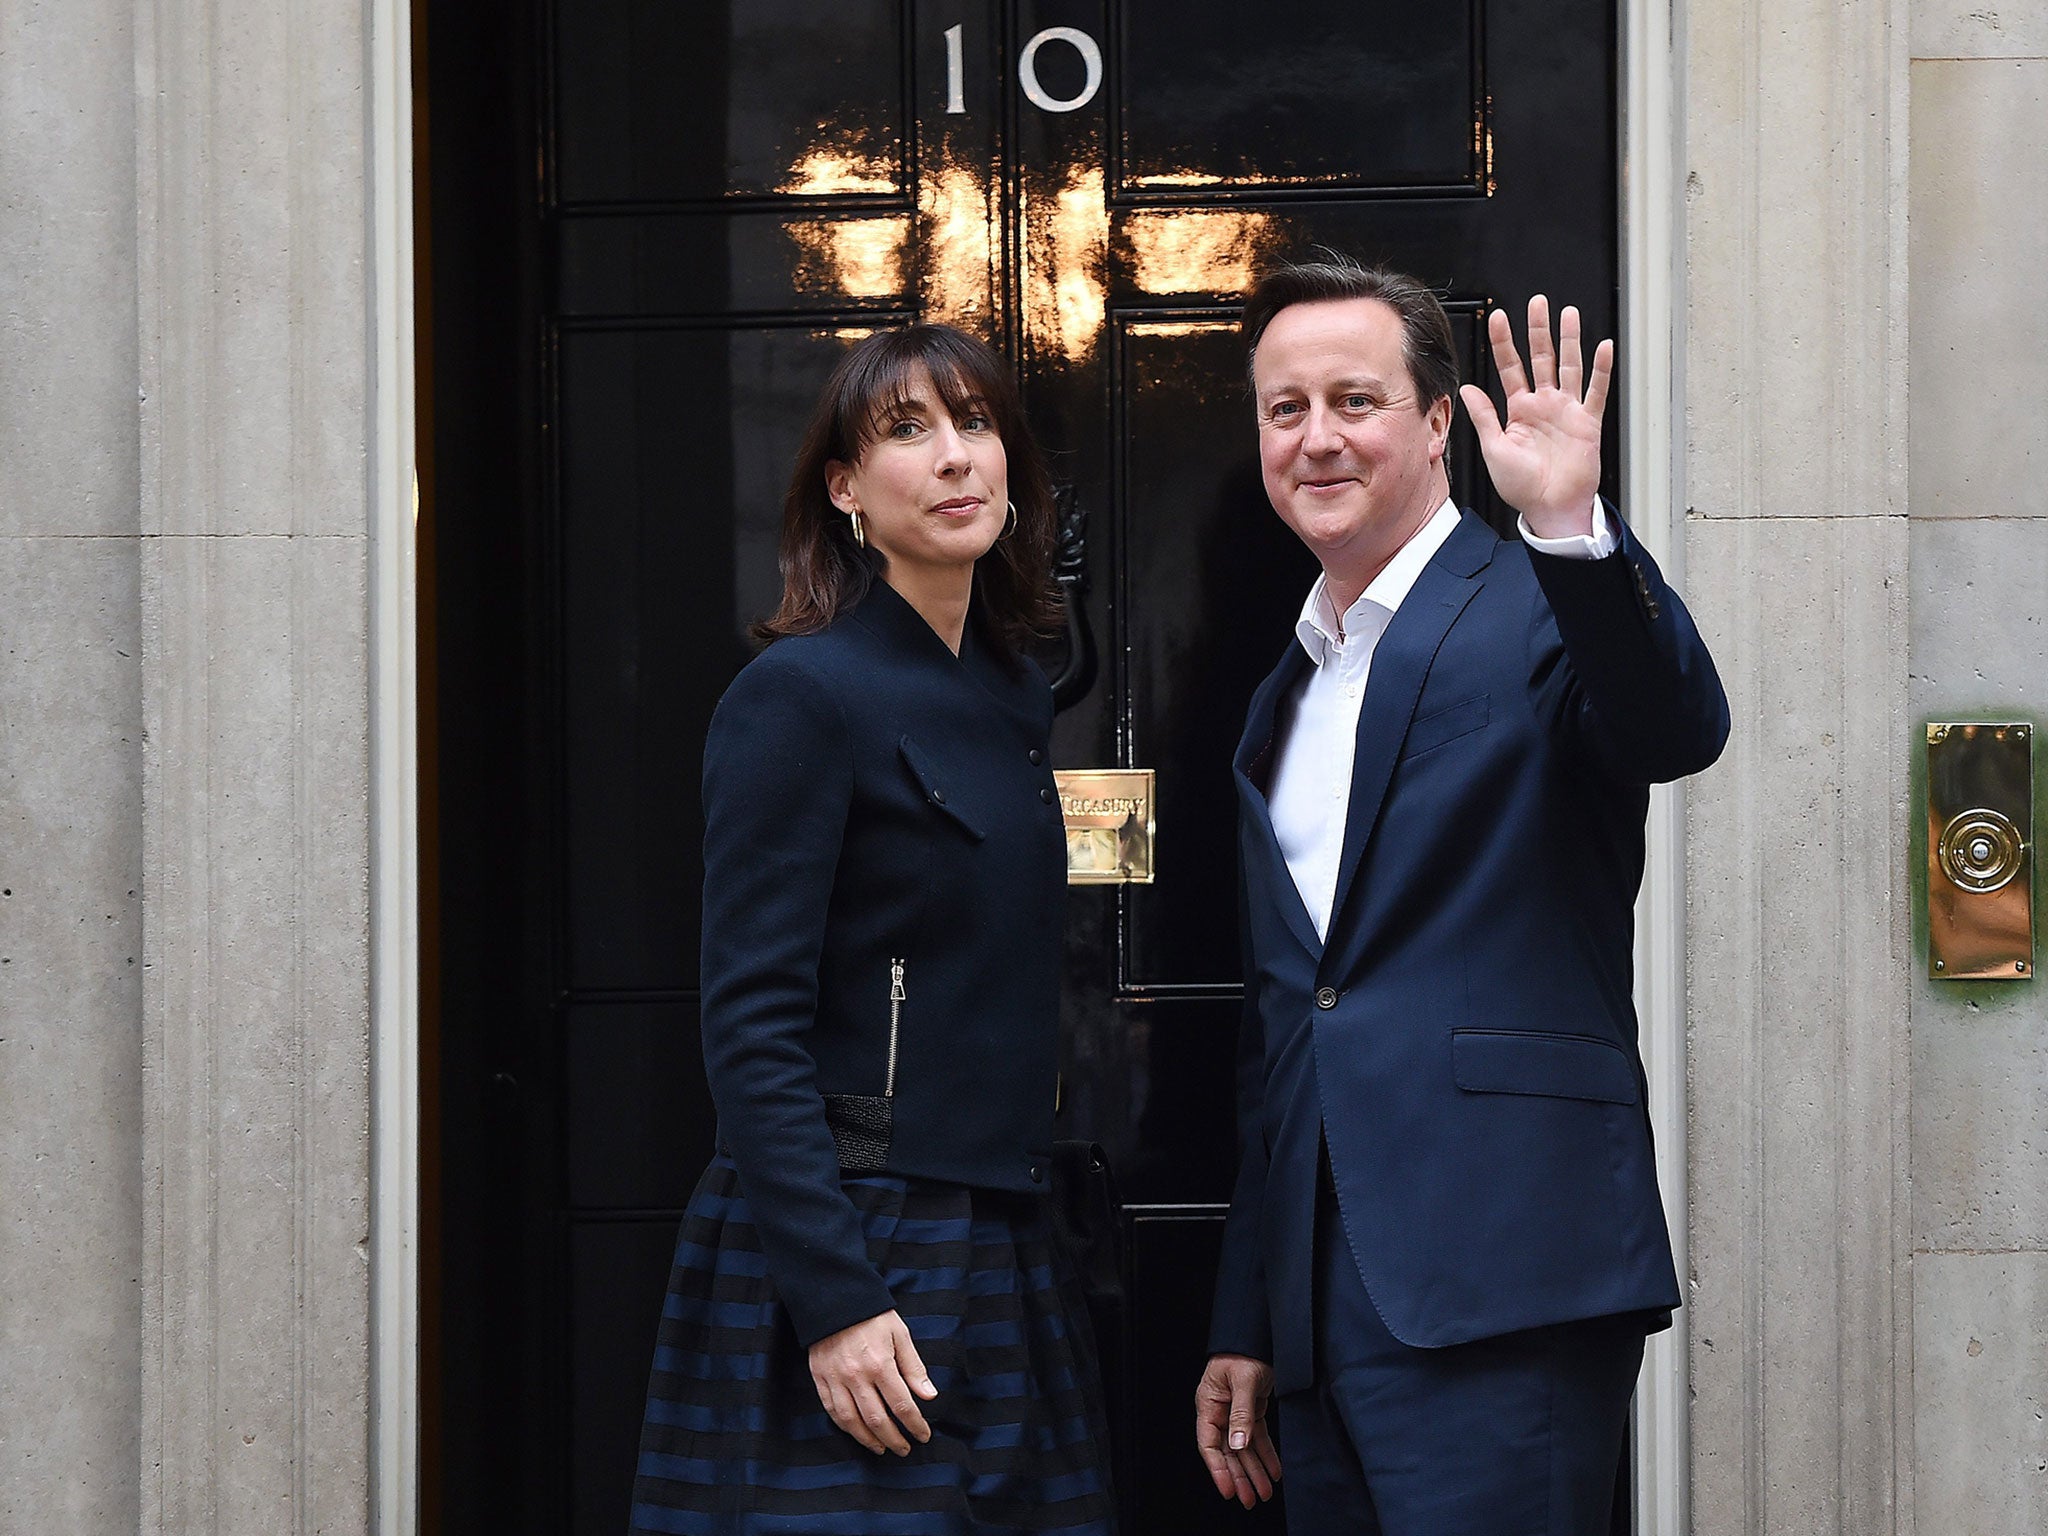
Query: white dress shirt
column 1317, row 736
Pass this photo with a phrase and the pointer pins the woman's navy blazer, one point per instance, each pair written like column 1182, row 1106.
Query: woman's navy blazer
column 870, row 797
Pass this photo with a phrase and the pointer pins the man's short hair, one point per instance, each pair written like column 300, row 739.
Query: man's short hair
column 1425, row 328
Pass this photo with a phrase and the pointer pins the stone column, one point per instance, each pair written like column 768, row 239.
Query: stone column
column 1796, row 543
column 70, row 773
column 1980, row 651
column 255, row 357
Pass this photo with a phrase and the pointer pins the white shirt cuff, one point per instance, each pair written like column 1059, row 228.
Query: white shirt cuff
column 1597, row 545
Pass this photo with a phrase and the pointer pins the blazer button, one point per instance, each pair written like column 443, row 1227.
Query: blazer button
column 1047, row 796
column 1326, row 997
column 1037, row 757
column 938, row 797
column 1037, row 1174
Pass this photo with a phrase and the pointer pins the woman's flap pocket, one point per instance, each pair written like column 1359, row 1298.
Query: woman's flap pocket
column 1553, row 1066
column 1442, row 726
column 935, row 792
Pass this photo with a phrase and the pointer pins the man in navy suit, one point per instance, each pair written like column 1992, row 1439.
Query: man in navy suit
column 1445, row 1246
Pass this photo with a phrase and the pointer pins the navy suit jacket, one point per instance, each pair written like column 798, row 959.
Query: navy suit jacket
column 1465, row 1040
column 870, row 797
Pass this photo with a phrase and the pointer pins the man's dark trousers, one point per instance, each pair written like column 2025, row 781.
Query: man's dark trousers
column 1520, row 1435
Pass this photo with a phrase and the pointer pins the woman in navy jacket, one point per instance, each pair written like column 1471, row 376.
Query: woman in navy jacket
column 866, row 1328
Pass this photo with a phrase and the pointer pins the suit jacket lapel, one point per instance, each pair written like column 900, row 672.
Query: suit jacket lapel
column 1400, row 663
column 1253, row 767
column 1256, row 744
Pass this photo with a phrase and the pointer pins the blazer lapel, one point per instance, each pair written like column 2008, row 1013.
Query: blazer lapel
column 1400, row 663
column 1255, row 746
column 1253, row 769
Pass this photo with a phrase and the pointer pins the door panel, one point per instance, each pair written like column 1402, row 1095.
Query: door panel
column 681, row 222
column 674, row 446
column 665, row 103
column 626, row 1142
column 1192, row 520
column 1371, row 99
column 618, row 1275
column 757, row 261
column 1165, row 1489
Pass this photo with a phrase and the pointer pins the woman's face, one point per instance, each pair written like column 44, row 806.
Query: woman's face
column 932, row 490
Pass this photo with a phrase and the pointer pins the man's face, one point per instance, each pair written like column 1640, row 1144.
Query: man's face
column 1348, row 456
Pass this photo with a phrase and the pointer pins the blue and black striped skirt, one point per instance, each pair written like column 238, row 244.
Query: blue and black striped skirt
column 736, row 1443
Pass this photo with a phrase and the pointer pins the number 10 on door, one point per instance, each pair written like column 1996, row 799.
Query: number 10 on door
column 1027, row 69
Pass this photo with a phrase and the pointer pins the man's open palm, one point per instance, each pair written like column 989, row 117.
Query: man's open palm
column 1545, row 462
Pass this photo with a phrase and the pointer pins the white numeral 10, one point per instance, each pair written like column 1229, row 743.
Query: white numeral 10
column 1027, row 69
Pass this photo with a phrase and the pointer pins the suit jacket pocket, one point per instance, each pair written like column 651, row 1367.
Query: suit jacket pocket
column 1552, row 1066
column 1442, row 726
column 935, row 792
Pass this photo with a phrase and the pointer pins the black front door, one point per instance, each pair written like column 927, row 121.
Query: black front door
column 651, row 229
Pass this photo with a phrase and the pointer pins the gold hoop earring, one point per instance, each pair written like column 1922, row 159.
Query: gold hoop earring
column 1011, row 526
column 860, row 534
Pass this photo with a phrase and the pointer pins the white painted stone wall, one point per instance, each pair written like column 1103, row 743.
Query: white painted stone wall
column 1794, row 391
column 185, row 367
column 252, row 199
column 1979, row 649
column 71, row 978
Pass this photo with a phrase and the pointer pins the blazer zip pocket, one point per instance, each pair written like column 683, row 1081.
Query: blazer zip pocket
column 1443, row 726
column 935, row 793
column 863, row 1125
column 1546, row 1065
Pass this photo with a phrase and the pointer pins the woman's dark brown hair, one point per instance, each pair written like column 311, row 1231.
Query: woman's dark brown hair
column 824, row 572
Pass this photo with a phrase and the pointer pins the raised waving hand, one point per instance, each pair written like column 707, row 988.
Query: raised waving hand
column 1545, row 460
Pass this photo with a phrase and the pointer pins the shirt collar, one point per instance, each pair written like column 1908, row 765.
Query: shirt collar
column 1319, row 627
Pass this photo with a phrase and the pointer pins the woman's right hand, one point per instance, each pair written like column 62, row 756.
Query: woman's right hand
column 869, row 1372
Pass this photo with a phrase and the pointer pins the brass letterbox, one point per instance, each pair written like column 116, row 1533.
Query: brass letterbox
column 1108, row 813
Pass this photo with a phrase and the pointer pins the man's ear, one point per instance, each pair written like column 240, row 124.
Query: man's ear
column 839, row 484
column 1440, row 424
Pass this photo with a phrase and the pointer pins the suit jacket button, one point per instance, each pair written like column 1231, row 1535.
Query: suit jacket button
column 1037, row 1174
column 1326, row 997
column 938, row 797
column 1037, row 757
column 1047, row 796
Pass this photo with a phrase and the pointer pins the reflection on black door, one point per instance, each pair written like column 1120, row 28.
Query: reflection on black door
column 652, row 228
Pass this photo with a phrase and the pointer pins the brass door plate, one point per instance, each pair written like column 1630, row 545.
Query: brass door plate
column 1980, row 851
column 1108, row 813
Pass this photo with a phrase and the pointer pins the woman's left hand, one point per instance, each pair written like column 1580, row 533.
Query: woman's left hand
column 866, row 1376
